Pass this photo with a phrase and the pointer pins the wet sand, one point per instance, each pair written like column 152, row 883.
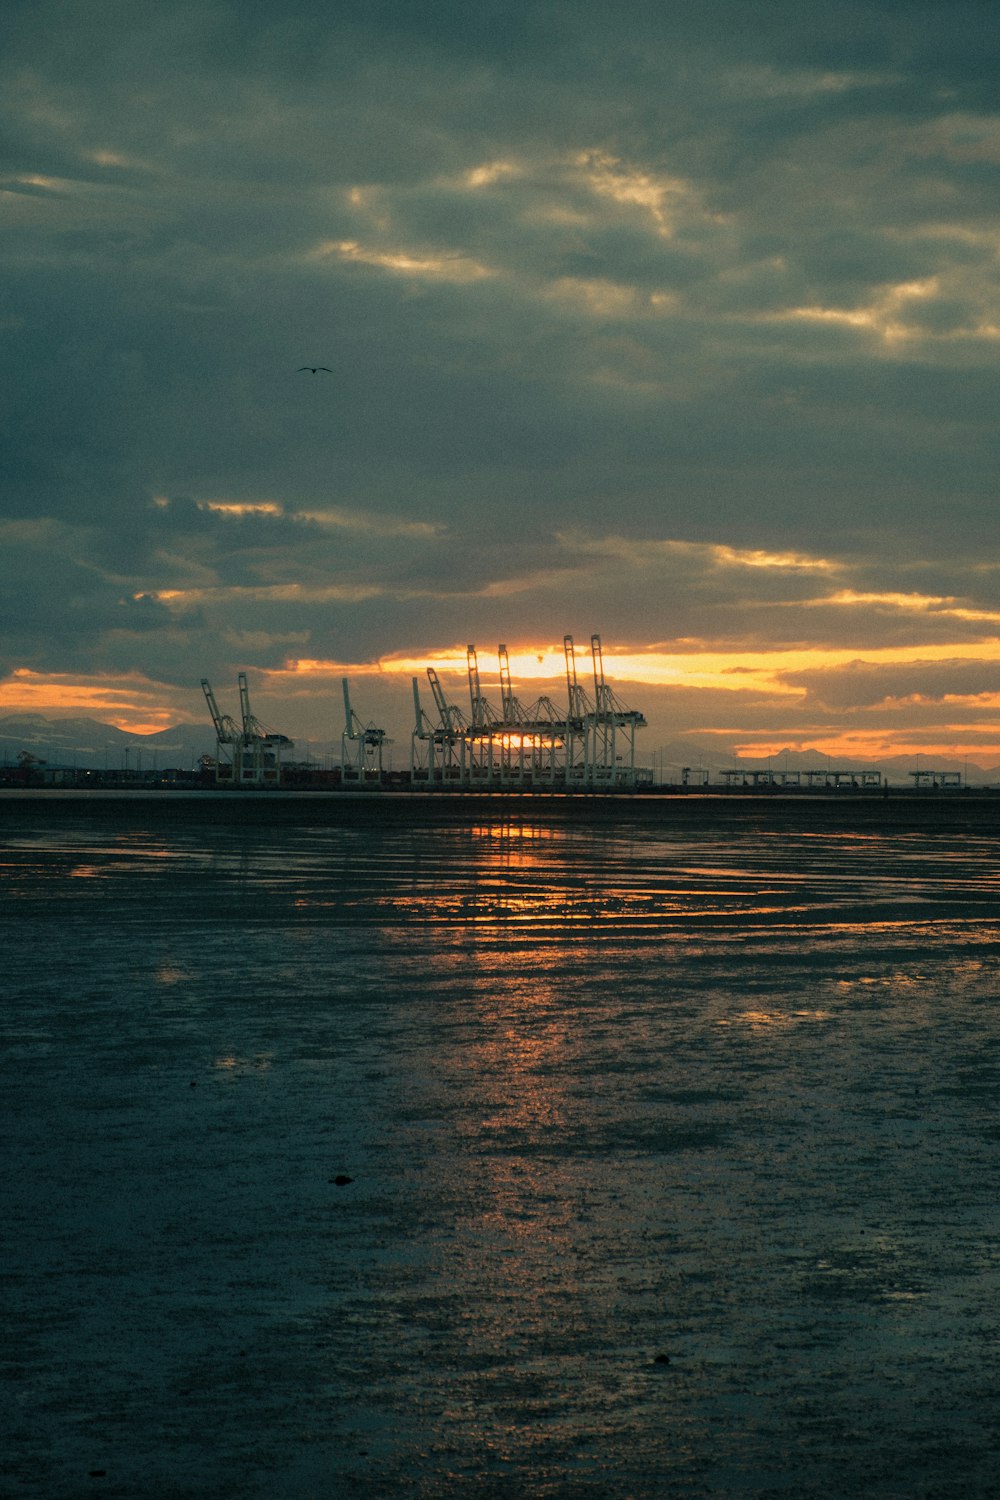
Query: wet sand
column 671, row 1135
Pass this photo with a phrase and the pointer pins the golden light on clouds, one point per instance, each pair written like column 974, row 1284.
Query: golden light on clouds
column 305, row 666
column 268, row 593
column 235, row 508
column 446, row 267
column 646, row 553
column 885, row 316
column 109, row 159
column 756, row 557
column 489, row 172
column 133, row 704
column 243, row 507
column 848, row 749
column 951, row 724
column 609, row 177
column 341, row 518
column 760, row 671
column 331, row 517
column 937, row 604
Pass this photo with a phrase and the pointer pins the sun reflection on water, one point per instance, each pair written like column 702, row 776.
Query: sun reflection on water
column 763, row 1020
column 232, row 1062
column 598, row 1091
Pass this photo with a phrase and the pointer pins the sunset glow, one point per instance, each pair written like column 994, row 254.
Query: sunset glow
column 500, row 748
column 732, row 671
column 141, row 706
column 425, row 344
column 134, row 705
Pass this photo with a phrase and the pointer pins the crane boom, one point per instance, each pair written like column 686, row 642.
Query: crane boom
column 572, row 686
column 246, row 715
column 226, row 732
column 570, row 673
column 475, row 692
column 437, row 691
column 507, row 699
column 600, row 686
column 213, row 708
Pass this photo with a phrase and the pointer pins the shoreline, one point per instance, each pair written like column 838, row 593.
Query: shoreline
column 973, row 808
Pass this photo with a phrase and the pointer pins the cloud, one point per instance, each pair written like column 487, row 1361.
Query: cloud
column 687, row 327
column 870, row 685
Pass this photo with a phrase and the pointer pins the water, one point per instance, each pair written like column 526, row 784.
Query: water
column 672, row 1136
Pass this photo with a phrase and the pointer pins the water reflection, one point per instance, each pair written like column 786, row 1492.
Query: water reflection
column 762, row 1020
column 230, row 1062
column 527, row 882
column 599, row 1092
column 521, row 1037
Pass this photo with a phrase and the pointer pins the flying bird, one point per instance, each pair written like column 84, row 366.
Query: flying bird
column 313, row 369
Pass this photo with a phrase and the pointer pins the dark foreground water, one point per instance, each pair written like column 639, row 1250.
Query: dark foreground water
column 672, row 1138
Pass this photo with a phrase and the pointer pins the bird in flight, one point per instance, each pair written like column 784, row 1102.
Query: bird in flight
column 313, row 369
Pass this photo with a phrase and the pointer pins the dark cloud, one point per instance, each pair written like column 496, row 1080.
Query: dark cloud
column 54, row 609
column 723, row 276
column 864, row 685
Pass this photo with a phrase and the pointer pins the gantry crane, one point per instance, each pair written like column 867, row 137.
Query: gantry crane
column 227, row 735
column 576, row 698
column 252, row 728
column 361, row 764
column 421, row 766
column 254, row 754
column 614, row 727
column 483, row 713
column 447, row 742
column 425, row 764
column 586, row 746
column 513, row 713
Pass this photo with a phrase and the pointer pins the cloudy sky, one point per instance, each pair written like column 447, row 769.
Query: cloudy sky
column 676, row 323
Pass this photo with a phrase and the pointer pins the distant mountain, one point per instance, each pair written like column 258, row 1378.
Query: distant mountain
column 91, row 745
column 896, row 769
column 668, row 762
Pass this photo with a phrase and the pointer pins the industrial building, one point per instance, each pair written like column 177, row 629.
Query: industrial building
column 811, row 780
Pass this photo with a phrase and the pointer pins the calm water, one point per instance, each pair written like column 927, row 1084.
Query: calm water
column 673, row 1138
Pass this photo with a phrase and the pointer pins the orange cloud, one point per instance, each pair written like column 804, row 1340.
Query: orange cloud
column 448, row 267
column 137, row 704
column 849, row 748
column 937, row 604
column 309, row 667
column 243, row 507
column 759, row 671
column 133, row 704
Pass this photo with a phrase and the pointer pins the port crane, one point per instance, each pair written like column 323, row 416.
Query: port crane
column 483, row 713
column 227, row 735
column 247, row 754
column 614, row 725
column 584, row 746
column 360, row 747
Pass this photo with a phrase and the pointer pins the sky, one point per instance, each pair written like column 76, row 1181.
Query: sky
column 679, row 324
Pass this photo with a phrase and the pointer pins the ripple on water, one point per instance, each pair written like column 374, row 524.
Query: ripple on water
column 391, row 1159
